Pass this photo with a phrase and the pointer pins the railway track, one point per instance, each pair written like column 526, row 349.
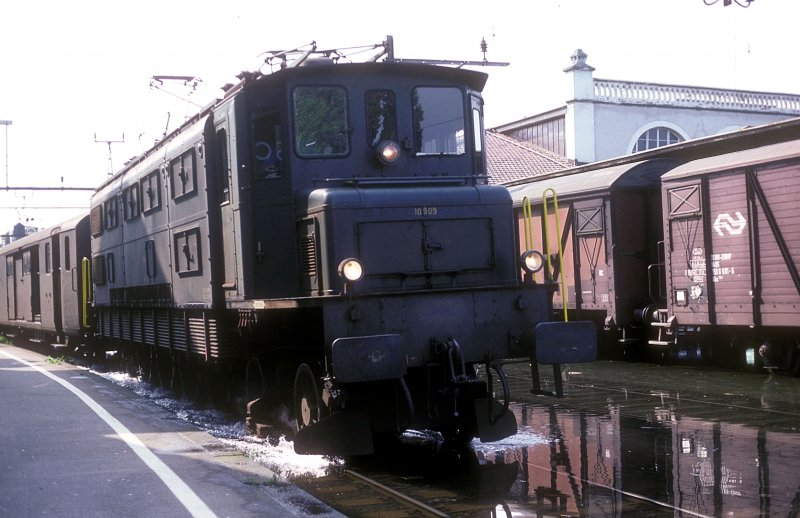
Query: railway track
column 356, row 494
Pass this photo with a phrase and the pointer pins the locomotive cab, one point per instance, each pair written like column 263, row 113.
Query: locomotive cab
column 397, row 236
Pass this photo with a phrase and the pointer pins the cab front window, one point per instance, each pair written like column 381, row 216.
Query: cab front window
column 438, row 121
column 320, row 121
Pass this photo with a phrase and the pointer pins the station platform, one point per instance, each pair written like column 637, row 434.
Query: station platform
column 75, row 444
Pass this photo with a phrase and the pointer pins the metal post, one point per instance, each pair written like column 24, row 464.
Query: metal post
column 6, row 124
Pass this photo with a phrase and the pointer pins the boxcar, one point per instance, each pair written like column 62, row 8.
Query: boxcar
column 609, row 228
column 733, row 246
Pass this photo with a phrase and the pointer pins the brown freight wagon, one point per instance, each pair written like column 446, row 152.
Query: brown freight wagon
column 732, row 252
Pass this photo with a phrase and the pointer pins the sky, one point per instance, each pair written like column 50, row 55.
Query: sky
column 75, row 75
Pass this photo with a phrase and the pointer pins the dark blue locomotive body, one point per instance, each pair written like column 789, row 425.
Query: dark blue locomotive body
column 323, row 236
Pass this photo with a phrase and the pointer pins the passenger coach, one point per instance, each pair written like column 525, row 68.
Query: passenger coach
column 46, row 295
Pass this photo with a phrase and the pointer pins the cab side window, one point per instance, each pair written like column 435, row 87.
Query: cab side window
column 320, row 121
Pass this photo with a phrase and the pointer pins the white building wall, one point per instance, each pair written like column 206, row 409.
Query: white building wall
column 605, row 118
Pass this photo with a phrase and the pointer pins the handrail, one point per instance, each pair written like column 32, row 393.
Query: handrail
column 527, row 221
column 560, row 249
column 86, row 290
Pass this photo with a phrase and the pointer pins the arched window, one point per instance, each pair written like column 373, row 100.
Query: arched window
column 656, row 137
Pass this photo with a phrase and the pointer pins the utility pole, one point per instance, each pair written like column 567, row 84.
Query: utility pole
column 109, row 142
column 6, row 124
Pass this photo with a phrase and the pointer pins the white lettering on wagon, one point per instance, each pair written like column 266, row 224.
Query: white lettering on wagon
column 698, row 268
column 730, row 224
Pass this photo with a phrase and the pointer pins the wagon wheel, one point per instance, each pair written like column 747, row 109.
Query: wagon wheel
column 307, row 400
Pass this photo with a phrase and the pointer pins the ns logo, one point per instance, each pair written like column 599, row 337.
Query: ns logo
column 732, row 225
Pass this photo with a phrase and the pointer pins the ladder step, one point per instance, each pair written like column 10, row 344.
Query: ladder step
column 658, row 342
column 660, row 324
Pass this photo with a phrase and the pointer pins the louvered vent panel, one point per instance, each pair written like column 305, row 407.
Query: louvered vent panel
column 115, row 324
column 125, row 325
column 136, row 326
column 308, row 253
column 178, row 328
column 162, row 328
column 148, row 328
column 197, row 333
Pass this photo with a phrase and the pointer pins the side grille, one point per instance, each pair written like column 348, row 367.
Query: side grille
column 308, row 255
column 96, row 220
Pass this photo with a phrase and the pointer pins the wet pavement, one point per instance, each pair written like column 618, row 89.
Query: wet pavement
column 643, row 440
column 628, row 439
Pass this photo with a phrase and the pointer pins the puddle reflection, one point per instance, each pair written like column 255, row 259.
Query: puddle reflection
column 584, row 464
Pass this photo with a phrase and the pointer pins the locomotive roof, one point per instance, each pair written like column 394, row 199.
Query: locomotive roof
column 320, row 67
column 738, row 159
column 472, row 78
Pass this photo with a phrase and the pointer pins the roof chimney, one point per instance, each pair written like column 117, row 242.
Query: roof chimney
column 579, row 120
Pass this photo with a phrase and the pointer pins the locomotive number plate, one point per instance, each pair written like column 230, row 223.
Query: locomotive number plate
column 425, row 211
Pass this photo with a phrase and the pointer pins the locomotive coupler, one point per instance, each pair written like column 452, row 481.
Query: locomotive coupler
column 493, row 419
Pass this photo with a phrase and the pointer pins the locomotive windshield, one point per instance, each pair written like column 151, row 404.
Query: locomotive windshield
column 381, row 117
column 320, row 114
column 438, row 121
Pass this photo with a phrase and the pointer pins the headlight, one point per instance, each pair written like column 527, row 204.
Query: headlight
column 531, row 261
column 387, row 152
column 351, row 270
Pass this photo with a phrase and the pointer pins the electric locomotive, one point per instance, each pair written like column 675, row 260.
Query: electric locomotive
column 324, row 235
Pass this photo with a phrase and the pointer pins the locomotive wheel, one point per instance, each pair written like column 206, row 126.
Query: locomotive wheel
column 307, row 400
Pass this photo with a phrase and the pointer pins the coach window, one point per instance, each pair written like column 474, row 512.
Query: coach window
column 267, row 147
column 130, row 202
column 182, row 175
column 438, row 121
column 320, row 121
column 47, row 258
column 110, row 268
column 110, row 213
column 67, row 257
column 151, row 192
column 381, row 117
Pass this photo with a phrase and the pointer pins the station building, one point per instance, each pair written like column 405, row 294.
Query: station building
column 603, row 119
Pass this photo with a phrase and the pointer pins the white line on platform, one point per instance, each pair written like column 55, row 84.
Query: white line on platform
column 179, row 488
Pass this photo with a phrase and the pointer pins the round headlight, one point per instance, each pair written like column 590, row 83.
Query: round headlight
column 351, row 270
column 531, row 261
column 387, row 152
